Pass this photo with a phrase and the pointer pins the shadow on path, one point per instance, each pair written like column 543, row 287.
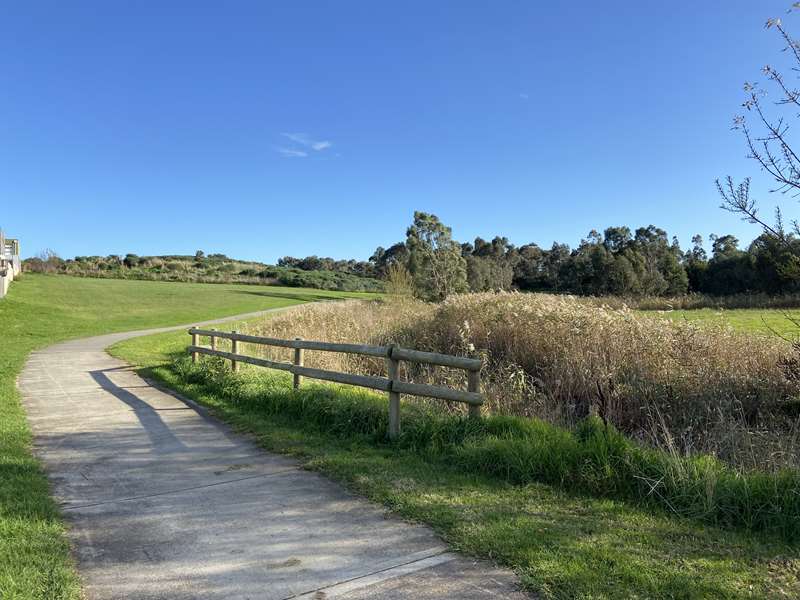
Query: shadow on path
column 149, row 418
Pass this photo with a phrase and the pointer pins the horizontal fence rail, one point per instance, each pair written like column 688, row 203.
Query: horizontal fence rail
column 393, row 355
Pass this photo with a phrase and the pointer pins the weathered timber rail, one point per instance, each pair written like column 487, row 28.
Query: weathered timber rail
column 393, row 355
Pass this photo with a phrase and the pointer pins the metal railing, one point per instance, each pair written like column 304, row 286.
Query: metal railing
column 393, row 355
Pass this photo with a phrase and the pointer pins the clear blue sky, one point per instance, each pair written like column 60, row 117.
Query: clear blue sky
column 261, row 129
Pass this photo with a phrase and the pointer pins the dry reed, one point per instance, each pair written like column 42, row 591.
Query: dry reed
column 684, row 387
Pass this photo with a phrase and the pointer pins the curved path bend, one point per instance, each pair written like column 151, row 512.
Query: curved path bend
column 164, row 502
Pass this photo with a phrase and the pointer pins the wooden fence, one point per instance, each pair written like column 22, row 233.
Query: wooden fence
column 393, row 355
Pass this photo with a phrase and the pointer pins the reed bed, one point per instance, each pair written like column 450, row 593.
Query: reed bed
column 681, row 387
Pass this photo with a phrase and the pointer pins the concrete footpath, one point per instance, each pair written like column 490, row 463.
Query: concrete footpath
column 164, row 502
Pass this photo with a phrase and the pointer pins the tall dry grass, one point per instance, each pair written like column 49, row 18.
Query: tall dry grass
column 683, row 387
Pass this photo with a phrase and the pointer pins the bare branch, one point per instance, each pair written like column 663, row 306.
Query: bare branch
column 736, row 199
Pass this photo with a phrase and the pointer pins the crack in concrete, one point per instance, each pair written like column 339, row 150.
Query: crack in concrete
column 361, row 581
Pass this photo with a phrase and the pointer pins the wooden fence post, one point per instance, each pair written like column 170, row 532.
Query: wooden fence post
column 213, row 341
column 195, row 342
column 393, row 370
column 298, row 361
column 234, row 350
column 474, row 385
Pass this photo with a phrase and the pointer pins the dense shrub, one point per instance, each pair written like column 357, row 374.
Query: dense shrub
column 324, row 280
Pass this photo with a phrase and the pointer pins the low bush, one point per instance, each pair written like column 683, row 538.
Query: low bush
column 210, row 271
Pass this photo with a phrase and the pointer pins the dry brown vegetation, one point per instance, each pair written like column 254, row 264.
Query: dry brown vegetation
column 676, row 385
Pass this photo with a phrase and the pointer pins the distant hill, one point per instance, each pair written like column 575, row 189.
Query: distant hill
column 213, row 268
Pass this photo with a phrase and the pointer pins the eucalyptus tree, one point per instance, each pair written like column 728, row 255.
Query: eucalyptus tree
column 435, row 259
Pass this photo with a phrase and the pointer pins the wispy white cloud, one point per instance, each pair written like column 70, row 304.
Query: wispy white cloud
column 524, row 96
column 321, row 145
column 305, row 140
column 292, row 153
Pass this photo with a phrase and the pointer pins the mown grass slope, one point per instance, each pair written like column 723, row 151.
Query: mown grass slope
column 41, row 310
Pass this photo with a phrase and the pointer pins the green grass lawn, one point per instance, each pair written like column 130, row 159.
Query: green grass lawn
column 755, row 320
column 41, row 310
column 562, row 545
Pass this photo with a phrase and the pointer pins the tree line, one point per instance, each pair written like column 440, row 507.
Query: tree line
column 618, row 261
column 432, row 265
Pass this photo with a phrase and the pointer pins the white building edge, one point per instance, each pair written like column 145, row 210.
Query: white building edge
column 10, row 265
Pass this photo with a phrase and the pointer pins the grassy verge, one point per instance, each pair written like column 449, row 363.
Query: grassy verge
column 754, row 320
column 41, row 310
column 563, row 544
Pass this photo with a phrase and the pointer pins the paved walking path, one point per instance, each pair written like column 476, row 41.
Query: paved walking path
column 164, row 502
